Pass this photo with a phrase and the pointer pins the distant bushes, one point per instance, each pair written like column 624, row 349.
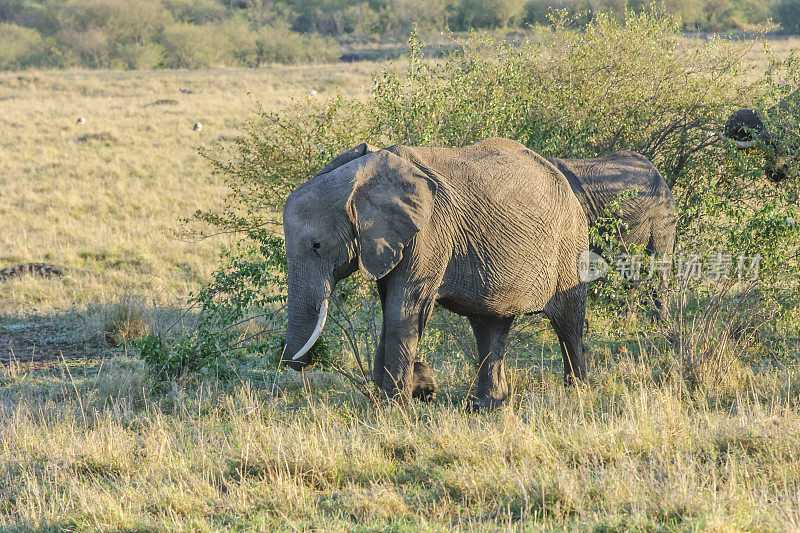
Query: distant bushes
column 787, row 13
column 152, row 34
column 191, row 46
column 282, row 45
column 18, row 46
column 207, row 33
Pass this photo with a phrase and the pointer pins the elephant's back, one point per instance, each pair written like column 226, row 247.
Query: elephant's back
column 496, row 171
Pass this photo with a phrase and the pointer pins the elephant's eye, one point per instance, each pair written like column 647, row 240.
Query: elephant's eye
column 316, row 246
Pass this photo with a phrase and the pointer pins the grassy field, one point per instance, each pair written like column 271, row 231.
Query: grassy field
column 87, row 442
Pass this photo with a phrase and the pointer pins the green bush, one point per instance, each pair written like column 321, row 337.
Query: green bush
column 787, row 14
column 241, row 40
column 190, row 46
column 279, row 44
column 18, row 46
column 196, row 11
column 141, row 56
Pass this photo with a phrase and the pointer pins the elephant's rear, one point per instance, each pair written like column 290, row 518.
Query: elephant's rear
column 649, row 215
column 653, row 205
column 661, row 212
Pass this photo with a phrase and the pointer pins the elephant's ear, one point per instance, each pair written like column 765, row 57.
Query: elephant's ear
column 391, row 202
column 345, row 157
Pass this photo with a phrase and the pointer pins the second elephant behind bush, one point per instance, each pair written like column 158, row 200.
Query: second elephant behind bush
column 648, row 218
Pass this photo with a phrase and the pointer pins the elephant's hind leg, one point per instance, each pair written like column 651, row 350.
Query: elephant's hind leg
column 491, row 335
column 567, row 311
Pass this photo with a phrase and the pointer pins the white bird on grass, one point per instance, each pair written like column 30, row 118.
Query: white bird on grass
column 81, row 120
column 198, row 127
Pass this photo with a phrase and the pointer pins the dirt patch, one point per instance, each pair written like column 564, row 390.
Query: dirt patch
column 35, row 345
column 102, row 137
column 34, row 269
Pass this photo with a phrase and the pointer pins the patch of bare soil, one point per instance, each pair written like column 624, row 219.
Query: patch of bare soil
column 37, row 345
column 34, row 269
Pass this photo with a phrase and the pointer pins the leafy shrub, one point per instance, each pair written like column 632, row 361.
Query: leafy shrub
column 612, row 87
column 191, row 46
column 279, row 44
column 196, row 11
column 196, row 353
column 140, row 56
column 18, row 46
column 241, row 39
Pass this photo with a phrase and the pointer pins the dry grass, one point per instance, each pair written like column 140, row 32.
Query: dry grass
column 781, row 47
column 88, row 443
column 628, row 452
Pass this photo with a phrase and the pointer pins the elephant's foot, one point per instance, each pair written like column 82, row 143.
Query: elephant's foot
column 484, row 405
column 423, row 383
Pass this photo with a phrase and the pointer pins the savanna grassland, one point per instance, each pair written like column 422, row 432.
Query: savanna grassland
column 103, row 199
column 90, row 440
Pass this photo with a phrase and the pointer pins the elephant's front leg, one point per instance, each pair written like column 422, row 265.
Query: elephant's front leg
column 491, row 335
column 378, row 361
column 404, row 321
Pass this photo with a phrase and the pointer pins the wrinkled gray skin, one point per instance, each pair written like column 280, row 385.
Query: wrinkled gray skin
column 648, row 219
column 746, row 127
column 490, row 231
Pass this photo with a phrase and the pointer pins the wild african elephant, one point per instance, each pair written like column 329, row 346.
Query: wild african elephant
column 647, row 220
column 746, row 129
column 490, row 231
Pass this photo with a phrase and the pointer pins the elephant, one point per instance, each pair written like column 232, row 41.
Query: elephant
column 423, row 382
column 648, row 219
column 490, row 231
column 746, row 128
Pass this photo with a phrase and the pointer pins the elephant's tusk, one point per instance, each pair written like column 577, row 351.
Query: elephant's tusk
column 323, row 315
column 745, row 144
column 739, row 144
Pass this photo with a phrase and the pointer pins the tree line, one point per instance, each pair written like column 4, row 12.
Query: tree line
column 206, row 33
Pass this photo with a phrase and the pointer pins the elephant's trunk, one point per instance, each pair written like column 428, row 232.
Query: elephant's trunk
column 307, row 304
column 323, row 315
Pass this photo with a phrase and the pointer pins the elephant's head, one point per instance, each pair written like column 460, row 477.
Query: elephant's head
column 746, row 129
column 358, row 213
